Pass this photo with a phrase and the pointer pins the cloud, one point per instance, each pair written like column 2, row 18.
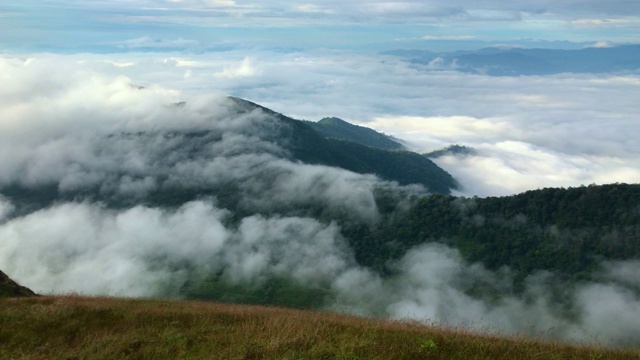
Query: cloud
column 603, row 23
column 6, row 207
column 448, row 37
column 158, row 44
column 311, row 8
column 144, row 251
column 244, row 69
column 432, row 284
column 601, row 44
column 159, row 25
column 274, row 13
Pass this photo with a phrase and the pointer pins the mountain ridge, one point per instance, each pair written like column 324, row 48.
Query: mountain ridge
column 333, row 127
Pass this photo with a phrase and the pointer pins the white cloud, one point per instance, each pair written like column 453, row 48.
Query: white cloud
column 311, row 8
column 6, row 207
column 601, row 44
column 244, row 69
column 149, row 42
column 600, row 23
column 448, row 37
column 122, row 64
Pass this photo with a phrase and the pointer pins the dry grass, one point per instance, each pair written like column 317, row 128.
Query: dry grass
column 73, row 327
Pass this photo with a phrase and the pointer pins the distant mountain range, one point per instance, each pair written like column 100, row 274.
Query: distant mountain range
column 497, row 61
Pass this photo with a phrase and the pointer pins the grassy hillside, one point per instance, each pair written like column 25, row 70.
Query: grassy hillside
column 73, row 327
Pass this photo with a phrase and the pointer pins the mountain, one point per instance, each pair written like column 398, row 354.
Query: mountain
column 569, row 232
column 336, row 128
column 498, row 61
column 358, row 149
column 451, row 150
column 9, row 288
column 405, row 167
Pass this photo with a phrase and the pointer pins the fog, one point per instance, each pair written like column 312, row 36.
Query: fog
column 102, row 122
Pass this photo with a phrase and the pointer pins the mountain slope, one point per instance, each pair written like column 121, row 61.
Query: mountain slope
column 403, row 166
column 9, row 288
column 339, row 129
column 308, row 146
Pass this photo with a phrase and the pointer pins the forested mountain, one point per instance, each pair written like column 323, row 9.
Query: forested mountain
column 336, row 128
column 359, row 149
column 566, row 231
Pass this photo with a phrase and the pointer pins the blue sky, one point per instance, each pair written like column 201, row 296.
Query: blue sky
column 197, row 25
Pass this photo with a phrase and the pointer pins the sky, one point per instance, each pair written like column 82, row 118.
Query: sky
column 198, row 25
